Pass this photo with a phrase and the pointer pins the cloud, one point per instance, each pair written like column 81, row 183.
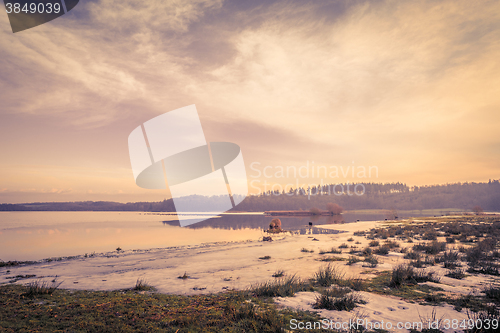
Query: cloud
column 409, row 86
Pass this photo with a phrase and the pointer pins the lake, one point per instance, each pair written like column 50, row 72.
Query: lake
column 40, row 235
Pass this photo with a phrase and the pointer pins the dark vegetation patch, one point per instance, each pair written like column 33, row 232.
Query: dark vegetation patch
column 343, row 303
column 131, row 311
column 406, row 274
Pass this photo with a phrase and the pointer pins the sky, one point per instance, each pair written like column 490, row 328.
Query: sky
column 408, row 88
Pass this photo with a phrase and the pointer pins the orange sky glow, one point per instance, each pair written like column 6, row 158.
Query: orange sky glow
column 410, row 89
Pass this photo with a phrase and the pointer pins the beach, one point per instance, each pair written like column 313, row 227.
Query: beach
column 240, row 265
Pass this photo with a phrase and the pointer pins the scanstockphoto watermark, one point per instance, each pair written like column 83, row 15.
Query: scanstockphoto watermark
column 324, row 176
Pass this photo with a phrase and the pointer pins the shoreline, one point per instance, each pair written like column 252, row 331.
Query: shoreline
column 215, row 268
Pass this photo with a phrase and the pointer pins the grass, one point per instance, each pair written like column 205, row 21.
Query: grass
column 282, row 287
column 142, row 285
column 130, row 311
column 332, row 250
column 493, row 293
column 343, row 303
column 328, row 275
column 352, row 260
column 184, row 276
column 382, row 250
column 40, row 287
column 279, row 273
column 372, row 261
column 306, row 250
column 458, row 274
column 332, row 258
column 406, row 274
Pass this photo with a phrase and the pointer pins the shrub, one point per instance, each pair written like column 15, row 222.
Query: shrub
column 448, row 256
column 343, row 246
column 279, row 273
column 405, row 274
column 283, row 287
column 391, row 244
column 374, row 243
column 332, row 250
column 306, row 250
column 383, row 250
column 345, row 303
column 40, row 287
column 265, row 258
column 352, row 260
column 493, row 293
column 430, row 248
column 458, row 274
column 350, row 239
column 490, row 315
column 327, row 275
column 417, row 263
column 372, row 261
column 142, row 285
column 367, row 251
column 354, row 284
column 412, row 255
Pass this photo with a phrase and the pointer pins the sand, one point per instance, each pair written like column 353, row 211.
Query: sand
column 217, row 267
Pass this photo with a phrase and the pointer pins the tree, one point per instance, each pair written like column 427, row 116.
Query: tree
column 334, row 209
column 478, row 210
column 315, row 211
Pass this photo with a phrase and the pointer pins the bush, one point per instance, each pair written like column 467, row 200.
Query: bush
column 374, row 243
column 383, row 250
column 493, row 293
column 367, row 251
column 405, row 274
column 430, row 248
column 306, row 250
column 142, row 285
column 345, row 303
column 391, row 244
column 343, row 246
column 448, row 256
column 458, row 274
column 40, row 287
column 412, row 255
column 491, row 314
column 352, row 260
column 354, row 284
column 279, row 273
column 283, row 287
column 372, row 261
column 327, row 275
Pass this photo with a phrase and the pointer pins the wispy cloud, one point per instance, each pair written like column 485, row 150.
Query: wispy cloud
column 405, row 85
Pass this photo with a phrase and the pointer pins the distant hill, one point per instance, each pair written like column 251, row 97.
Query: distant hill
column 375, row 196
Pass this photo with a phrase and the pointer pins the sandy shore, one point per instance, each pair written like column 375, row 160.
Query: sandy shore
column 217, row 267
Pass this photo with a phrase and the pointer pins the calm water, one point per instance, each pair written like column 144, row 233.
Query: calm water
column 39, row 235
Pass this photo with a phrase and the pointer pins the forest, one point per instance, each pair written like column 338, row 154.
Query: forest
column 367, row 196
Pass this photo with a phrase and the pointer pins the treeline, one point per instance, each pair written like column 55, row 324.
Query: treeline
column 352, row 196
column 381, row 196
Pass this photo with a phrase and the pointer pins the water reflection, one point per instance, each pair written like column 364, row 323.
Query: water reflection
column 261, row 221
